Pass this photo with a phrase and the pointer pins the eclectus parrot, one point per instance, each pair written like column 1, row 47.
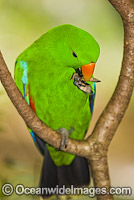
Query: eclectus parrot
column 55, row 76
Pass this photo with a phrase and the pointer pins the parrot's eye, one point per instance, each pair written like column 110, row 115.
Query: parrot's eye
column 74, row 54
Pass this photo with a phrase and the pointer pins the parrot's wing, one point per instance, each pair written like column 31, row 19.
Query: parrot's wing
column 92, row 98
column 21, row 79
column 38, row 141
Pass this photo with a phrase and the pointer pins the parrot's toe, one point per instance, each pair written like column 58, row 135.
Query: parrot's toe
column 64, row 137
column 81, row 84
column 92, row 79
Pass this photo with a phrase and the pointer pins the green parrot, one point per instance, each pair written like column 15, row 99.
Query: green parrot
column 55, row 76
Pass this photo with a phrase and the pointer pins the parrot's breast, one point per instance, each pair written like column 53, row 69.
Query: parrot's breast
column 60, row 104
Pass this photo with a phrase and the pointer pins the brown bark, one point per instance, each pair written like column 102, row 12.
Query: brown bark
column 95, row 148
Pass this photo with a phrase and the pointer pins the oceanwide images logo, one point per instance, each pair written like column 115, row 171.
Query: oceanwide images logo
column 8, row 189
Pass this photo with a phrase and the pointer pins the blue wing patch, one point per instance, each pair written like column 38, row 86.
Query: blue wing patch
column 33, row 136
column 39, row 142
column 23, row 65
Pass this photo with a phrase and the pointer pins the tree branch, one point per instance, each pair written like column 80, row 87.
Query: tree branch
column 96, row 146
column 112, row 115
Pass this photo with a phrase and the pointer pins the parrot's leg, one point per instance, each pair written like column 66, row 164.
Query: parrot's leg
column 64, row 137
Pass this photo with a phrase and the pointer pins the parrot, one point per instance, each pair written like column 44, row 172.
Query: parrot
column 56, row 78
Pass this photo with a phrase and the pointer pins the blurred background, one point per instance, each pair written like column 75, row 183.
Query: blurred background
column 21, row 23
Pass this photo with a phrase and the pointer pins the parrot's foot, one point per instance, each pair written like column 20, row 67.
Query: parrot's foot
column 64, row 136
column 81, row 84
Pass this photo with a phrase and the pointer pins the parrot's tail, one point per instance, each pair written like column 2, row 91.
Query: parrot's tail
column 53, row 177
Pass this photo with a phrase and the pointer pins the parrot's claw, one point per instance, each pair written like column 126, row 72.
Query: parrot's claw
column 94, row 80
column 64, row 137
column 81, row 84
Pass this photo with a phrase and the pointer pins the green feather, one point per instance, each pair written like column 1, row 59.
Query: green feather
column 50, row 66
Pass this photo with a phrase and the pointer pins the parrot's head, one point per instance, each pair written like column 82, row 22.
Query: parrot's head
column 76, row 48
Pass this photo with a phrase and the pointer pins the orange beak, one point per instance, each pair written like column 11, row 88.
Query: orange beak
column 87, row 71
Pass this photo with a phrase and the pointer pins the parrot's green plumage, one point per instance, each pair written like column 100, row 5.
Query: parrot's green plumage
column 43, row 74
